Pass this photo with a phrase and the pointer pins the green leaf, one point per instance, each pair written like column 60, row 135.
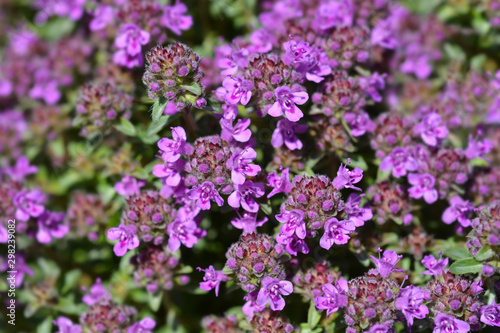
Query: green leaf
column 154, row 301
column 313, row 316
column 158, row 126
column 479, row 162
column 213, row 106
column 45, row 326
column 454, row 51
column 185, row 270
column 193, row 87
column 484, row 254
column 126, row 127
column 70, row 280
column 457, row 253
column 465, row 266
column 158, row 108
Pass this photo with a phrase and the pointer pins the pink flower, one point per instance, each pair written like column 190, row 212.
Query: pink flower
column 248, row 222
column 212, row 279
column 169, row 172
column 240, row 166
column 240, row 132
column 477, row 149
column 96, row 294
column 66, row 325
column 174, row 19
column 431, row 130
column 126, row 236
column 285, row 103
column 355, row 213
column 448, row 324
column 285, row 134
column 409, row 301
column 334, row 297
column 294, row 223
column 128, row 41
column 29, row 203
column 423, row 186
column 171, row 149
column 335, row 14
column 146, row 325
column 21, row 169
column 490, row 314
column 336, row 232
column 280, row 184
column 51, row 225
column 237, row 90
column 434, row 267
column 244, row 195
column 272, row 292
column 129, row 186
column 346, row 178
column 205, row 192
column 459, row 209
column 385, row 265
column 184, row 229
column 359, row 122
column 400, row 161
column 103, row 16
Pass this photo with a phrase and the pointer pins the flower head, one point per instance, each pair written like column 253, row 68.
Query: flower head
column 51, row 225
column 285, row 134
column 334, row 297
column 204, row 193
column 171, row 149
column 434, row 266
column 244, row 195
column 29, row 203
column 346, row 178
column 126, row 236
column 272, row 292
column 385, row 265
column 280, row 184
column 240, row 165
column 238, row 90
column 174, row 18
column 409, row 302
column 431, row 130
column 336, row 232
column 459, row 209
column 128, row 41
column 129, row 186
column 490, row 314
column 423, row 186
column 448, row 324
column 285, row 103
column 400, row 161
column 212, row 279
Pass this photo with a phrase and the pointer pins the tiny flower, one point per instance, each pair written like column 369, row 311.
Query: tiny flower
column 294, row 223
column 205, row 192
column 127, row 237
column 359, row 122
column 238, row 90
column 146, row 325
column 184, row 230
column 335, row 14
column 280, row 184
column 377, row 328
column 51, row 224
column 336, row 232
column 431, row 130
column 128, row 41
column 21, row 169
column 251, row 307
column 129, row 186
column 355, row 213
column 169, row 172
column 261, row 41
column 21, row 269
column 103, row 16
column 490, row 314
column 459, row 209
column 293, row 244
column 334, row 297
column 212, row 279
column 171, row 149
column 285, row 133
column 434, row 266
column 423, row 186
column 248, row 222
column 385, row 265
column 400, row 161
column 244, row 195
column 476, row 287
column 29, row 203
column 240, row 166
column 409, row 302
column 477, row 149
column 174, row 19
column 346, row 178
column 373, row 84
column 239, row 132
column 285, row 102
column 96, row 294
column 448, row 324
column 66, row 325
column 272, row 292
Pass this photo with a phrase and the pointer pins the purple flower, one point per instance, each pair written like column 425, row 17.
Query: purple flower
column 306, row 60
column 448, row 324
column 334, row 297
column 50, row 224
column 385, row 265
column 261, row 40
column 237, row 60
column 103, row 16
column 126, row 234
column 409, row 301
column 96, row 294
column 20, row 268
column 129, row 186
column 459, row 209
column 240, row 132
column 169, row 172
column 423, row 185
column 128, row 41
column 251, row 307
column 431, row 130
column 434, row 267
column 377, row 328
column 400, row 161
column 477, row 149
column 171, row 149
column 335, row 14
column 174, row 19
column 204, row 193
column 285, row 102
column 346, row 178
column 212, row 279
column 490, row 314
column 240, row 166
column 146, row 325
column 272, row 291
column 183, row 229
column 280, row 184
column 293, row 244
column 355, row 213
column 294, row 223
column 29, row 203
column 248, row 222
column 359, row 123
column 66, row 325
column 372, row 85
column 285, row 133
column 476, row 287
column 21, row 169
column 244, row 195
column 336, row 232
column 238, row 90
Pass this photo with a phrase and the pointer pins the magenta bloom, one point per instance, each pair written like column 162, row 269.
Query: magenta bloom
column 431, row 130
column 248, row 222
column 244, row 195
column 272, row 291
column 280, row 184
column 336, row 232
column 51, row 224
column 434, row 267
column 423, row 186
column 174, row 18
column 128, row 41
column 96, row 294
column 477, row 149
column 21, row 169
column 212, row 279
column 146, row 325
column 261, row 41
column 66, row 325
column 239, row 132
column 20, row 271
column 400, row 161
column 359, row 122
column 171, row 149
column 306, row 60
column 169, row 172
column 448, row 324
column 285, row 133
column 334, row 297
column 240, row 166
column 355, row 213
column 103, row 16
column 126, row 236
column 29, row 203
column 204, row 193
column 346, row 178
column 372, row 85
column 238, row 90
column 285, row 103
column 459, row 209
column 294, row 223
column 293, row 244
column 409, row 302
column 377, row 328
column 385, row 265
column 490, row 314
column 183, row 230
column 129, row 186
column 335, row 14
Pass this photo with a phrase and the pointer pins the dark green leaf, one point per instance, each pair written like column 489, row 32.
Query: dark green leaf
column 465, row 266
column 70, row 279
column 126, row 127
column 484, row 254
column 158, row 108
column 193, row 87
column 154, row 301
column 213, row 106
column 457, row 253
column 158, row 126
